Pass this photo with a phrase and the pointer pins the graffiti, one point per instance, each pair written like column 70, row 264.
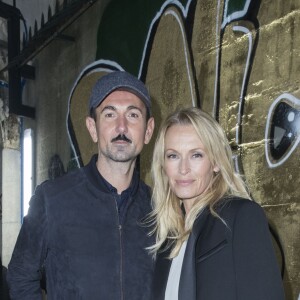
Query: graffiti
column 81, row 144
column 282, row 129
column 238, row 60
column 56, row 167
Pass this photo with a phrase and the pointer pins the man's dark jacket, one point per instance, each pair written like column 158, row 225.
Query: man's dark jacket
column 73, row 230
column 228, row 259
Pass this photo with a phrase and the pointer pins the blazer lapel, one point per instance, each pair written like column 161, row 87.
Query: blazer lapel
column 206, row 253
column 205, row 240
column 187, row 284
column 212, row 239
column 161, row 273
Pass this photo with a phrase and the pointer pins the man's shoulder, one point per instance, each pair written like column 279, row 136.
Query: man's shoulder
column 62, row 183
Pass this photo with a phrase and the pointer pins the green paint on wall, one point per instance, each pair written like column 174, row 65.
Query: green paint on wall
column 123, row 31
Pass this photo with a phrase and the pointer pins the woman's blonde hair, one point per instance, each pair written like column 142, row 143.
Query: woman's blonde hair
column 172, row 228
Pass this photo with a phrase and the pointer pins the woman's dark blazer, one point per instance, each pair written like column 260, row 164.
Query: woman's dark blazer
column 235, row 261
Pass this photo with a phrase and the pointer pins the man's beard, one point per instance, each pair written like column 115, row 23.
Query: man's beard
column 122, row 152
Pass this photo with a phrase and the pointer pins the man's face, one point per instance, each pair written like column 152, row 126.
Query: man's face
column 121, row 128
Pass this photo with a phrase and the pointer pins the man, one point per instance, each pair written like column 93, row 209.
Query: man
column 86, row 229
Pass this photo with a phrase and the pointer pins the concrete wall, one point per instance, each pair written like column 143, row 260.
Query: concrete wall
column 11, row 217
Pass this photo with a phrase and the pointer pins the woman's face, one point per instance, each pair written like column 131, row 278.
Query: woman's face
column 186, row 164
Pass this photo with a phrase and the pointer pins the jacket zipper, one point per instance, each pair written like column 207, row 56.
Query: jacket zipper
column 121, row 252
column 121, row 262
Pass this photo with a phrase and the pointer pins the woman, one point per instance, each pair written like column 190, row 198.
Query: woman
column 212, row 241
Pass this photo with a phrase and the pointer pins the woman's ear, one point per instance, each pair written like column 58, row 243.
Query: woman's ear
column 216, row 169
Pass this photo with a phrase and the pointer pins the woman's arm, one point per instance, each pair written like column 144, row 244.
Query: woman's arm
column 256, row 268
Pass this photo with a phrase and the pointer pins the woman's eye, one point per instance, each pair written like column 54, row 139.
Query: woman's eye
column 171, row 156
column 198, row 155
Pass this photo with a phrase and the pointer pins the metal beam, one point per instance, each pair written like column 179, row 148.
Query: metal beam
column 17, row 60
column 12, row 14
column 51, row 30
column 3, row 44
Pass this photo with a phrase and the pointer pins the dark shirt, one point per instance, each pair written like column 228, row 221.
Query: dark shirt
column 121, row 200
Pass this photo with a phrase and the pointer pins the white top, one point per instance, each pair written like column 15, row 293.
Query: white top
column 172, row 288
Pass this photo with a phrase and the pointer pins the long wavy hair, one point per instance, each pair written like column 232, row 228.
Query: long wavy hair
column 171, row 226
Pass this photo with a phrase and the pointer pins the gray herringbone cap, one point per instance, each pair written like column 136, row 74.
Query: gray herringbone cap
column 119, row 80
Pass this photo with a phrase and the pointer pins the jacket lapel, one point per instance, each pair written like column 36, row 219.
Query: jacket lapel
column 212, row 239
column 207, row 238
column 187, row 284
column 161, row 273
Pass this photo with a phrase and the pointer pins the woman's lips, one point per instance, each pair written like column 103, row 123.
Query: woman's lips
column 184, row 182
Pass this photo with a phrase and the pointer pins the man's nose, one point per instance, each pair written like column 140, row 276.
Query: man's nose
column 122, row 124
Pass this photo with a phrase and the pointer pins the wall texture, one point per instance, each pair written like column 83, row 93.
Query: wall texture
column 238, row 60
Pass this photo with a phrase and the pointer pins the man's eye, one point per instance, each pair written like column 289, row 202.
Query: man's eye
column 109, row 115
column 133, row 115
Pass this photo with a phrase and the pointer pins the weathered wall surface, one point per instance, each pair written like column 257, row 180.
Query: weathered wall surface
column 239, row 60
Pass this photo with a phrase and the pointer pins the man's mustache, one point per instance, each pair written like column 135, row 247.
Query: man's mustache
column 121, row 137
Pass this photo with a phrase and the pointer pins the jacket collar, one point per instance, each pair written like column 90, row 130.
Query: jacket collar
column 187, row 285
column 202, row 243
column 100, row 183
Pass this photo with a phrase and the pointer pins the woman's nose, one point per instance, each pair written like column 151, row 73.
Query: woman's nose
column 184, row 167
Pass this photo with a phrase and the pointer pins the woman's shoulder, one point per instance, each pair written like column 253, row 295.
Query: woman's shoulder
column 232, row 208
column 235, row 202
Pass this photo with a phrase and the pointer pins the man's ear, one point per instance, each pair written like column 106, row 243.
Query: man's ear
column 91, row 126
column 149, row 130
